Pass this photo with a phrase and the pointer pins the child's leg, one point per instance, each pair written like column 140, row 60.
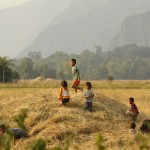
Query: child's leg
column 134, row 117
column 65, row 101
column 86, row 105
column 76, row 86
column 90, row 106
column 129, row 114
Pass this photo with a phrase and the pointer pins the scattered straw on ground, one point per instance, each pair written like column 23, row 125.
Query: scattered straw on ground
column 53, row 123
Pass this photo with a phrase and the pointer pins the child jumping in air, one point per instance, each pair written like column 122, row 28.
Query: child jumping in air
column 88, row 95
column 133, row 112
column 64, row 96
column 76, row 76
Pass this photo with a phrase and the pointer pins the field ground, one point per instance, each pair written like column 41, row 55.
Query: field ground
column 52, row 123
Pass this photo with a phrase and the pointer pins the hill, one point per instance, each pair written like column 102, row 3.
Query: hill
column 52, row 123
column 20, row 25
column 85, row 24
column 134, row 29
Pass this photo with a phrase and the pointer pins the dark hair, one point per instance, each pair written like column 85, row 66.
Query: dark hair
column 145, row 126
column 131, row 99
column 64, row 84
column 132, row 125
column 74, row 60
column 88, row 84
column 3, row 127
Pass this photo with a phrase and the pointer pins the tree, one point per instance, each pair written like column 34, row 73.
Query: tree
column 35, row 55
column 26, row 68
column 126, row 62
column 4, row 63
column 47, row 72
column 15, row 76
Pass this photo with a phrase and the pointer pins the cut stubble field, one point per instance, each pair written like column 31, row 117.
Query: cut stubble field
column 52, row 123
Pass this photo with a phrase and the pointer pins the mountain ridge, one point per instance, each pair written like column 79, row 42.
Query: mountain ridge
column 134, row 29
column 85, row 24
column 21, row 24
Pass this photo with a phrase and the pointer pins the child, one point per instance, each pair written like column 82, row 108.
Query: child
column 64, row 96
column 17, row 133
column 133, row 112
column 76, row 76
column 132, row 128
column 145, row 128
column 88, row 95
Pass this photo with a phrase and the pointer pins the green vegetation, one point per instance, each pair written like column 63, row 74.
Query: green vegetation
column 39, row 145
column 20, row 119
column 6, row 73
column 143, row 141
column 127, row 62
column 99, row 142
column 123, row 63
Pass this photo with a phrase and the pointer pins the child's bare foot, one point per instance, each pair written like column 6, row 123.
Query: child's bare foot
column 61, row 104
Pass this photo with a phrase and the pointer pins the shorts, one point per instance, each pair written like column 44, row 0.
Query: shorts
column 76, row 83
column 65, row 100
column 88, row 106
column 133, row 116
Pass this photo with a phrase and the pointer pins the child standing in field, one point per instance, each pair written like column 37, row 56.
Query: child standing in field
column 64, row 96
column 88, row 95
column 76, row 76
column 133, row 112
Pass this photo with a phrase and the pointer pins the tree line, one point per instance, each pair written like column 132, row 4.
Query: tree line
column 126, row 62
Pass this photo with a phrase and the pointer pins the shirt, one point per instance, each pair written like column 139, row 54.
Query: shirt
column 134, row 108
column 64, row 93
column 75, row 73
column 89, row 93
column 17, row 133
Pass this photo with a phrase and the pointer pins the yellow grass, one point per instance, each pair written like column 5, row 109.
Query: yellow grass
column 53, row 123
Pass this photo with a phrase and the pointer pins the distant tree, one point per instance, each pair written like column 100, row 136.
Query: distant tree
column 110, row 78
column 67, row 70
column 15, row 76
column 47, row 72
column 4, row 63
column 98, row 48
column 35, row 55
column 125, row 62
column 26, row 68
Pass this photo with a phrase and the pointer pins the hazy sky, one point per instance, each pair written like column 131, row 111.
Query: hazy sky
column 11, row 3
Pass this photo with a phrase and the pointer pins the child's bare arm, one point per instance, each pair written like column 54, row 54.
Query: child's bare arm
column 60, row 94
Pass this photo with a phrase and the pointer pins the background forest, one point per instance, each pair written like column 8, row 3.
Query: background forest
column 127, row 62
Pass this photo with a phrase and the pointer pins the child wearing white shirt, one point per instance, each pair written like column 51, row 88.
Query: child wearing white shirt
column 88, row 95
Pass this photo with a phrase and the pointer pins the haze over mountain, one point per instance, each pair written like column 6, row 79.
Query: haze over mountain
column 134, row 29
column 20, row 25
column 86, row 23
column 11, row 3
